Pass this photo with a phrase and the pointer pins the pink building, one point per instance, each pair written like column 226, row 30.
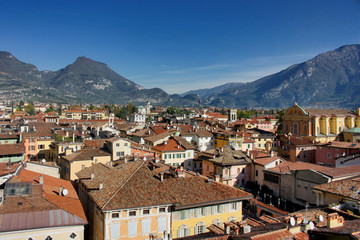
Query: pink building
column 325, row 154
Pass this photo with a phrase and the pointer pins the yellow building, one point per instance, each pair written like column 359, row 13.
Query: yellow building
column 78, row 114
column 167, row 202
column 43, row 148
column 229, row 138
column 320, row 125
column 57, row 148
column 71, row 163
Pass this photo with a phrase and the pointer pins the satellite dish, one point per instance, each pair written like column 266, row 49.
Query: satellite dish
column 292, row 221
column 65, row 192
column 321, row 218
column 311, row 225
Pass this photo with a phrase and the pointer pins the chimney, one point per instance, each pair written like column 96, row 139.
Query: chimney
column 92, row 175
column 41, row 179
column 61, row 189
column 245, row 229
column 271, row 154
column 334, row 220
column 101, row 186
column 227, row 228
column 162, row 176
column 68, row 151
column 217, row 178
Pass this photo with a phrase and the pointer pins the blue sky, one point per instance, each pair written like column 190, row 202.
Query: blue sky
column 178, row 45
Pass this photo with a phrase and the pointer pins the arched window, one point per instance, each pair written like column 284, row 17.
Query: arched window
column 200, row 228
column 217, row 222
column 183, row 231
column 295, row 128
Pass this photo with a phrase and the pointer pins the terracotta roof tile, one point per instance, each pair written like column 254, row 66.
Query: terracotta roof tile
column 170, row 145
column 348, row 188
column 7, row 149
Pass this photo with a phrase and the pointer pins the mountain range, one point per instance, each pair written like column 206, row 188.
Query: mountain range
column 331, row 78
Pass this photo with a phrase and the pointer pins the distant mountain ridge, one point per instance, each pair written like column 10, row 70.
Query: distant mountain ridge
column 332, row 77
column 208, row 91
column 84, row 81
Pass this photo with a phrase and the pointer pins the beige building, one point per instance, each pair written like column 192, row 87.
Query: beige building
column 118, row 147
column 71, row 163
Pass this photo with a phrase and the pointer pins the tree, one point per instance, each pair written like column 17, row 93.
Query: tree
column 149, row 119
column 30, row 109
column 171, row 110
column 280, row 121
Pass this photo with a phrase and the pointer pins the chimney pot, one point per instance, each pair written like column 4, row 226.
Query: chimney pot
column 92, row 175
column 41, row 179
column 61, row 190
column 101, row 186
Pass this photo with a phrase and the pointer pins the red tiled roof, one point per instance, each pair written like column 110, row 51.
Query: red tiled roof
column 348, row 188
column 51, row 187
column 266, row 160
column 171, row 145
column 8, row 149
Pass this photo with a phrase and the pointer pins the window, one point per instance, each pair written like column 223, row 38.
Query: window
column 256, row 173
column 132, row 213
column 132, row 228
column 146, row 211
column 162, row 209
column 233, row 206
column 115, row 215
column 329, row 155
column 125, row 144
column 183, row 231
column 118, row 154
column 161, row 224
column 271, row 178
column 115, row 230
column 200, row 228
column 146, row 223
column 295, row 128
column 184, row 214
column 32, row 140
column 217, row 222
column 41, row 146
column 118, row 144
column 31, row 148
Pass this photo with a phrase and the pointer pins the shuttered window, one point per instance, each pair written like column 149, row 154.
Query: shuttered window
column 115, row 230
column 146, row 223
column 161, row 224
column 132, row 228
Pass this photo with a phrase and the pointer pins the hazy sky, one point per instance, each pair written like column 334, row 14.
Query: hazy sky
column 178, row 45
